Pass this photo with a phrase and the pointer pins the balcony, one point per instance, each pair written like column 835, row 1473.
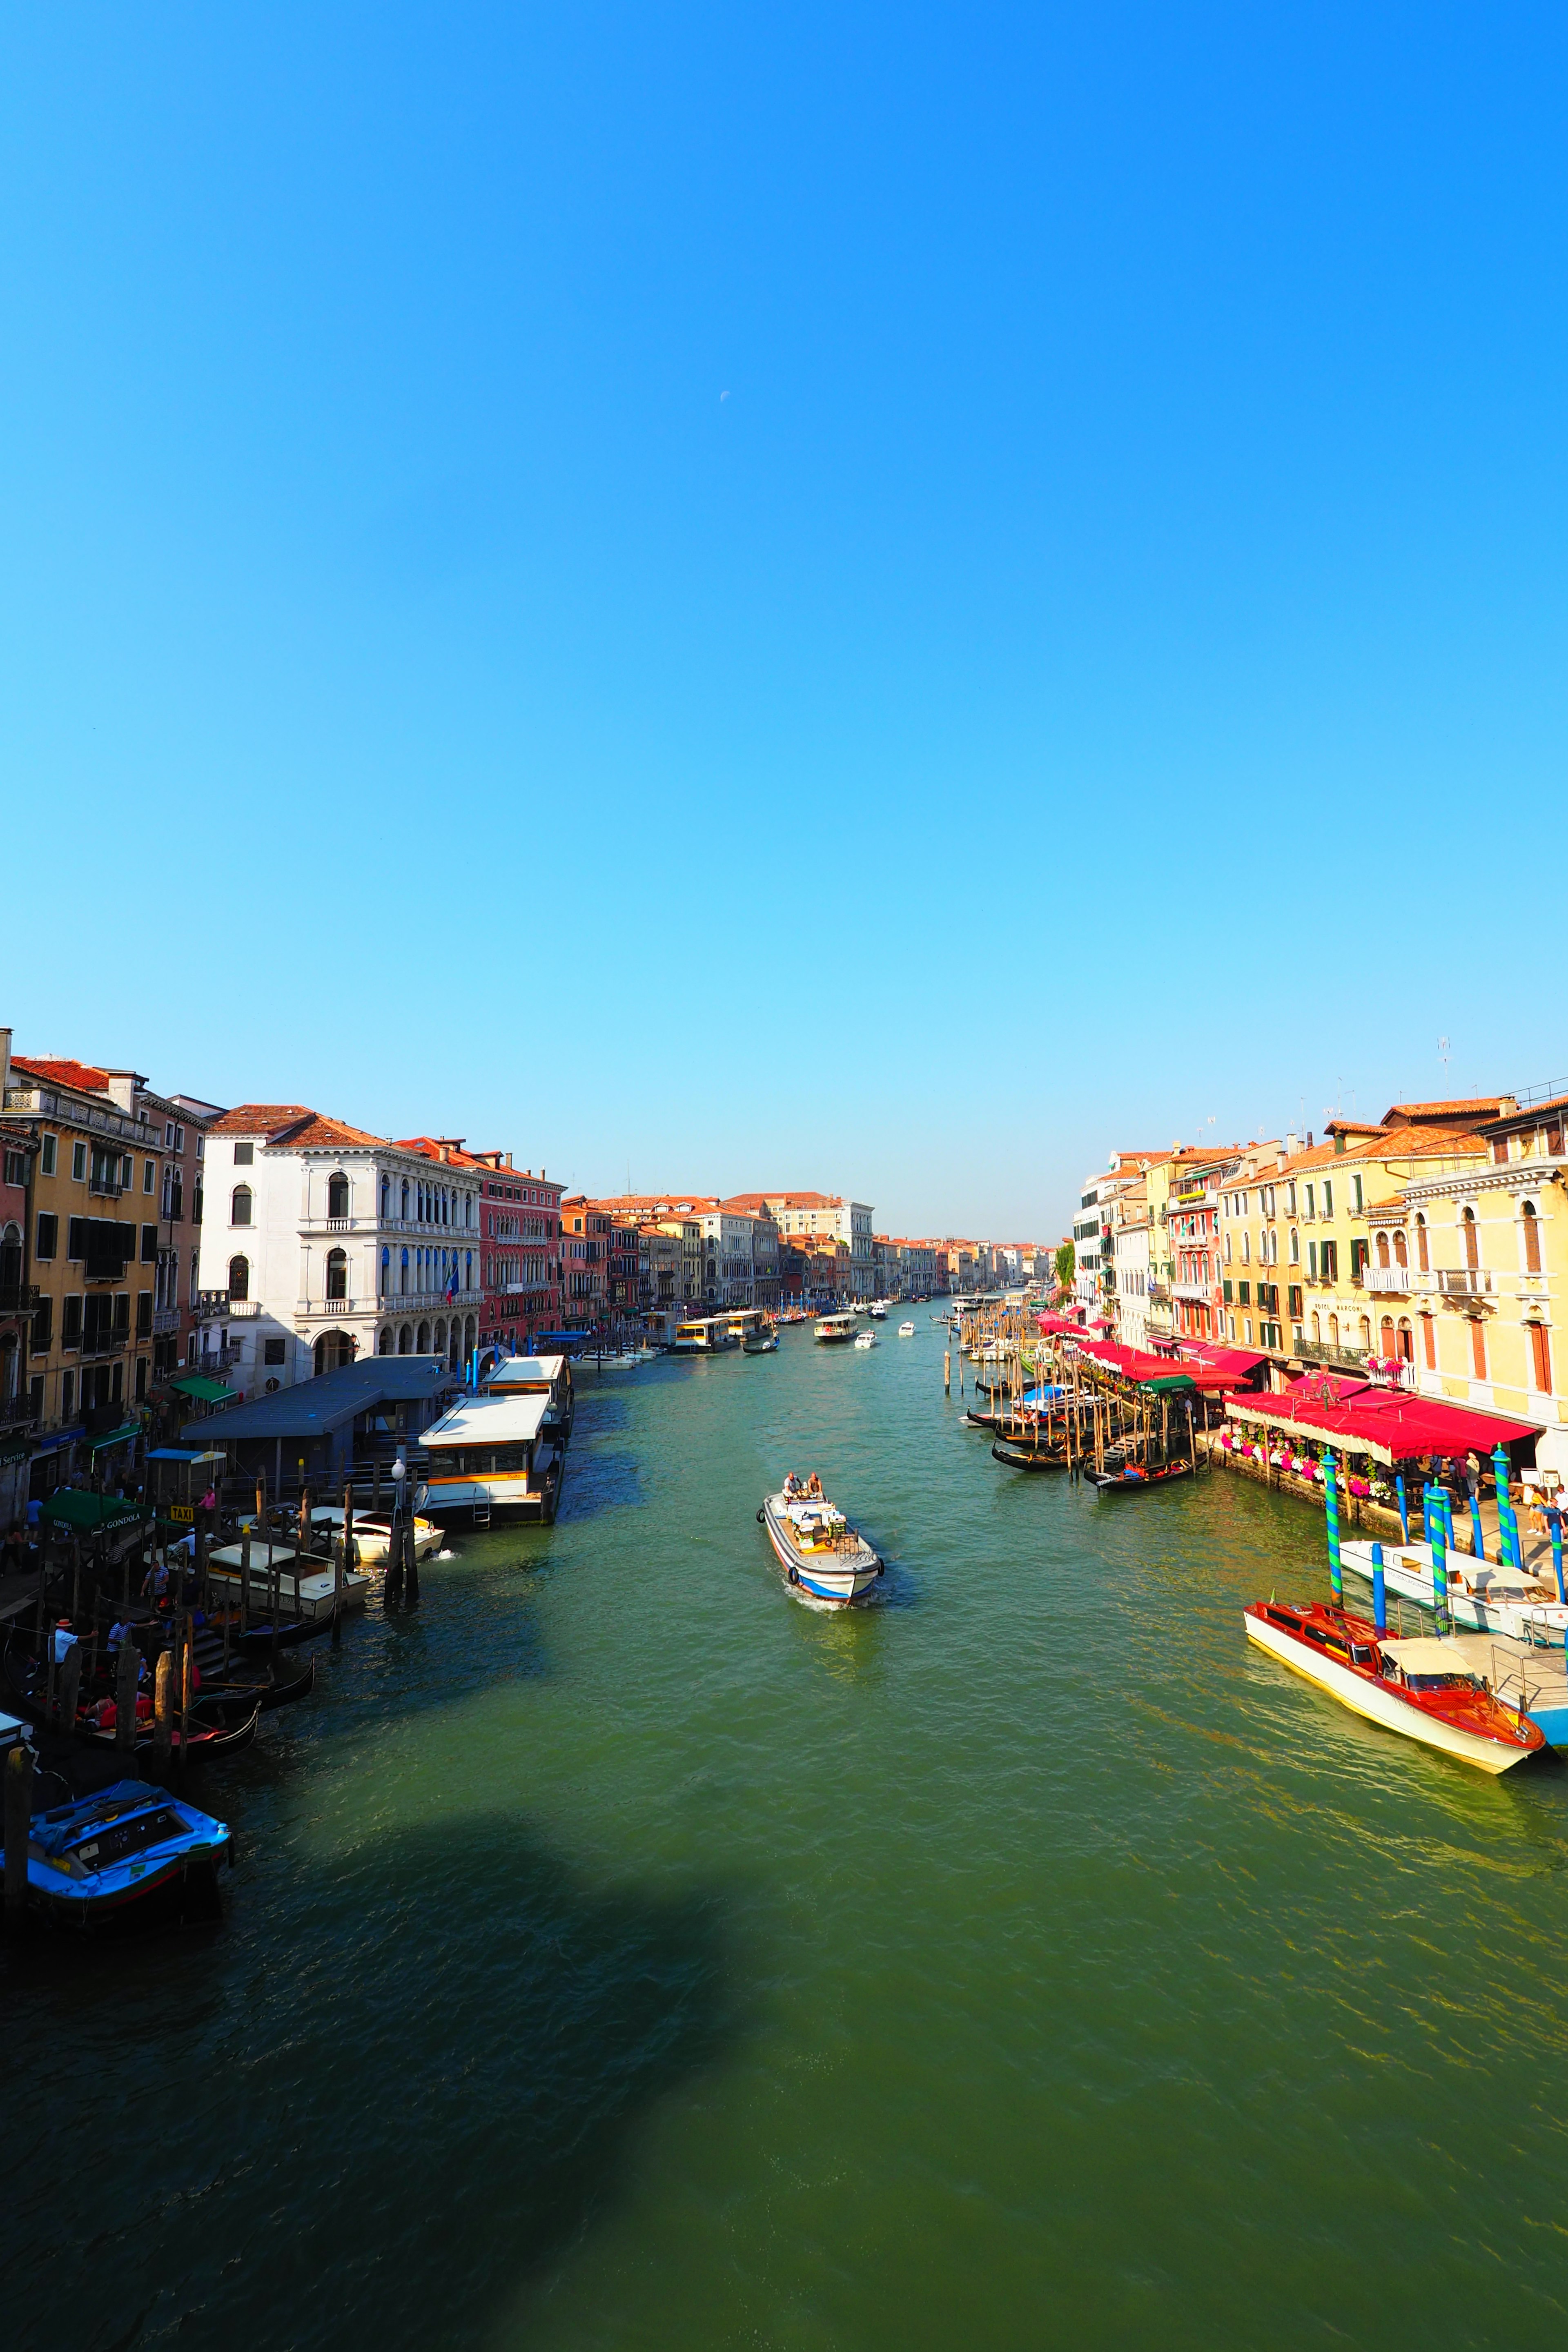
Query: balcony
column 106, row 1186
column 1319, row 1352
column 1465, row 1281
column 1200, row 1293
column 1388, row 1281
column 16, row 1413
column 18, row 1297
column 95, row 1345
column 164, row 1320
column 211, row 1303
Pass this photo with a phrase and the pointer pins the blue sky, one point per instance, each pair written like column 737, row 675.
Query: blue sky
column 891, row 598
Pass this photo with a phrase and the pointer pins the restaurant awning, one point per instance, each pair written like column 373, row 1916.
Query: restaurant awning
column 1130, row 1364
column 68, row 1507
column 1389, row 1424
column 202, row 1387
column 114, row 1436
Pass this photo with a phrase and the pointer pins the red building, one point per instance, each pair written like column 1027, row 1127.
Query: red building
column 521, row 1269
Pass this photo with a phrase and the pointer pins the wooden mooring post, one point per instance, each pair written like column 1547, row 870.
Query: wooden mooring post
column 127, row 1678
column 162, row 1706
column 19, row 1819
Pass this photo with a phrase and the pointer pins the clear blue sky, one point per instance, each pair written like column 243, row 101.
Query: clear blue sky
column 888, row 597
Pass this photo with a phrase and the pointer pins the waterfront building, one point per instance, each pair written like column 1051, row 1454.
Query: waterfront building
column 1094, row 1277
column 88, row 1157
column 1475, row 1254
column 821, row 1216
column 322, row 1243
column 1129, row 1261
column 1254, row 1299
column 519, row 1242
column 917, row 1263
column 661, row 1267
column 586, row 1236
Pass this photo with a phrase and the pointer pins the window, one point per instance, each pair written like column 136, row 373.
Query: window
column 238, row 1277
column 141, row 1380
column 79, row 1163
column 144, row 1315
column 1429, row 1343
column 1472, row 1242
column 47, row 1156
column 70, row 1322
column 1539, row 1359
column 1295, row 1247
column 1532, row 1239
column 68, row 1394
column 1330, row 1261
column 337, row 1196
column 1327, row 1197
column 1421, row 1258
column 1244, row 1293
column 168, row 1134
column 148, row 1174
column 1479, row 1349
column 273, row 1350
column 1499, row 1149
column 1310, row 1210
column 244, row 1154
column 43, row 1326
column 337, row 1274
column 1357, row 1203
column 76, row 1238
column 149, row 1244
column 48, row 1234
column 195, row 1204
column 1312, row 1261
column 1359, row 1250
column 239, row 1205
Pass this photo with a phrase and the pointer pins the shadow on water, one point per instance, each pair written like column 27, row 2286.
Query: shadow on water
column 601, row 1482
column 410, row 2122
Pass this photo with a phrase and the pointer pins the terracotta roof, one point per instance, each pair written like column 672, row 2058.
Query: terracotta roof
column 449, row 1155
column 1478, row 1106
column 790, row 1200
column 291, row 1123
column 85, row 1076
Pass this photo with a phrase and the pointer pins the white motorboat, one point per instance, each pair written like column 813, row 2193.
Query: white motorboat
column 1491, row 1599
column 821, row 1554
column 305, row 1589
column 373, row 1535
column 864, row 1339
column 906, row 1331
column 878, row 1310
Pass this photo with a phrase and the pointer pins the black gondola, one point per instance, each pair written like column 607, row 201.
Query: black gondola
column 1027, row 1457
column 1134, row 1478
column 220, row 1725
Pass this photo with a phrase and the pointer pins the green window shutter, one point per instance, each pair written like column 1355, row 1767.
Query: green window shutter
column 1312, row 1261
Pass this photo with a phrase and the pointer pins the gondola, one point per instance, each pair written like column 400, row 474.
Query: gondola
column 220, row 1725
column 1027, row 1458
column 1135, row 1478
column 274, row 1685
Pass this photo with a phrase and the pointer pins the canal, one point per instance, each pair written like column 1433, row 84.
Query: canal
column 622, row 1955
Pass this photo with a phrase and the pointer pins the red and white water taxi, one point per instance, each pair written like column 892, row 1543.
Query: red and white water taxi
column 1424, row 1687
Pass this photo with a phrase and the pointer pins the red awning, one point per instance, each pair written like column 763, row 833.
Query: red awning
column 1132, row 1364
column 1216, row 1368
column 1389, row 1423
column 1049, row 1323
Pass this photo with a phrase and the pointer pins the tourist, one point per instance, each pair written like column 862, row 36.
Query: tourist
column 64, row 1640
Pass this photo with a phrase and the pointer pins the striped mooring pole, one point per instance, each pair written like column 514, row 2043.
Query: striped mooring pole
column 1440, row 1573
column 1404, row 1509
column 1427, row 1510
column 1508, row 1533
column 1332, row 1503
column 1477, row 1538
column 1557, row 1558
column 1445, row 1503
column 1379, row 1591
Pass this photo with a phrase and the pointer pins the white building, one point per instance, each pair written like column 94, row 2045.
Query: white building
column 320, row 1243
column 1093, row 1227
column 832, row 1217
column 1129, row 1264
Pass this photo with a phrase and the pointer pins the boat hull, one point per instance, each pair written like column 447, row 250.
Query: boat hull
column 819, row 1577
column 1379, row 1704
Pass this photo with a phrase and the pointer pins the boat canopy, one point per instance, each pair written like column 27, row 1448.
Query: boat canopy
column 1389, row 1424
column 1425, row 1654
column 489, row 1421
column 515, row 1374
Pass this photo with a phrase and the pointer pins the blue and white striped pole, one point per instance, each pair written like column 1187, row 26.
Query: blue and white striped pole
column 1508, row 1535
column 1478, row 1538
column 1404, row 1509
column 1447, row 1502
column 1379, row 1591
column 1331, row 1503
column 1557, row 1559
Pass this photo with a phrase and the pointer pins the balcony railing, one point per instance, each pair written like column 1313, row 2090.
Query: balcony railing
column 1392, row 1281
column 164, row 1320
column 1465, row 1281
column 108, row 1186
column 95, row 1344
column 1202, row 1292
column 18, row 1297
column 1322, row 1351
column 209, row 1303
column 15, row 1413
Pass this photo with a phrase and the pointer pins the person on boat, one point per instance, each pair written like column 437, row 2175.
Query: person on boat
column 64, row 1640
column 814, row 1487
column 104, row 1715
column 155, row 1583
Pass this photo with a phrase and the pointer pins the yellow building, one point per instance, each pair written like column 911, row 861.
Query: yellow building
column 1486, row 1248
column 95, row 1163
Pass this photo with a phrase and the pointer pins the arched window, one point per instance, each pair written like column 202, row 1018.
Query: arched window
column 1382, row 1249
column 422, row 1345
column 333, row 1350
column 1479, row 1349
column 337, row 1196
column 1532, row 1239
column 384, row 1345
column 1422, row 1259
column 337, row 1274
column 1473, row 1245
column 1406, row 1340
column 1429, row 1343
column 386, row 1198
column 386, row 1280
column 405, row 1341
column 405, row 1210
column 239, row 1205
column 1366, row 1334
column 1401, row 1253
column 1386, row 1335
column 1333, row 1331
column 238, row 1277
column 403, row 1271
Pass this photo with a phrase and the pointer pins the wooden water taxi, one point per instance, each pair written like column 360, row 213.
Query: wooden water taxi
column 1424, row 1688
column 822, row 1556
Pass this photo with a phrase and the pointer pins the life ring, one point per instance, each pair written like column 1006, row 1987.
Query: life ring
column 760, row 1517
column 795, row 1576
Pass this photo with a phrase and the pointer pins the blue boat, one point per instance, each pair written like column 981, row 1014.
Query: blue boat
column 130, row 1849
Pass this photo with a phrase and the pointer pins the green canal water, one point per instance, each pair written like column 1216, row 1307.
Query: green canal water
column 622, row 1955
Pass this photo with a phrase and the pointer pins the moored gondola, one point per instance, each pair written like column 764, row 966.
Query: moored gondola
column 1136, row 1477
column 1014, row 1456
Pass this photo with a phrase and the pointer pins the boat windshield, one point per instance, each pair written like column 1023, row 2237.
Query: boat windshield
column 1440, row 1682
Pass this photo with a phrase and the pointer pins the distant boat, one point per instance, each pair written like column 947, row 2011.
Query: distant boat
column 760, row 1343
column 864, row 1339
column 906, row 1331
column 879, row 1309
column 835, row 1330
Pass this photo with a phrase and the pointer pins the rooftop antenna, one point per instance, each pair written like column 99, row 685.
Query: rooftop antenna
column 1443, row 1050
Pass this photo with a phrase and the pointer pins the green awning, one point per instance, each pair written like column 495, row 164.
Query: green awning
column 202, row 1387
column 69, row 1508
column 115, row 1436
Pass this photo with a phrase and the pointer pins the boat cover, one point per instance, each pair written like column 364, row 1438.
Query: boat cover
column 1424, row 1654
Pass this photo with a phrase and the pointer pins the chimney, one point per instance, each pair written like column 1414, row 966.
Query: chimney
column 122, row 1089
column 5, row 1061
column 1311, row 1145
column 509, row 1159
column 1279, row 1159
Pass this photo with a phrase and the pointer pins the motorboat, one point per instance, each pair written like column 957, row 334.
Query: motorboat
column 1426, row 1688
column 1491, row 1599
column 864, row 1339
column 906, row 1331
column 373, row 1536
column 821, row 1554
column 130, row 1848
column 306, row 1586
column 837, row 1330
column 878, row 1310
